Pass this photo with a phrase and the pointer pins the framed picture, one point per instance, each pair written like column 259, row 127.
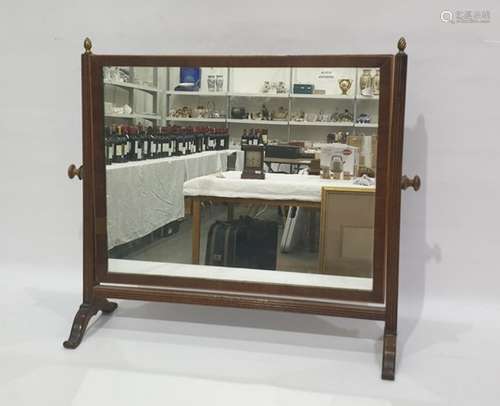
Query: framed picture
column 347, row 231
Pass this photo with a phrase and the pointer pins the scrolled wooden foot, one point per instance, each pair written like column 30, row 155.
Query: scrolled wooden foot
column 108, row 307
column 82, row 318
column 389, row 357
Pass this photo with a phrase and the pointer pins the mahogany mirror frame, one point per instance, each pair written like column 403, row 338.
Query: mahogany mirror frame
column 380, row 303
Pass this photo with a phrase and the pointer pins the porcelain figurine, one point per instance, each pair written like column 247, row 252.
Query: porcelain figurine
column 375, row 83
column 365, row 83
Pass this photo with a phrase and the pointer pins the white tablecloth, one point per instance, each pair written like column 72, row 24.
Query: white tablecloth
column 145, row 195
column 276, row 186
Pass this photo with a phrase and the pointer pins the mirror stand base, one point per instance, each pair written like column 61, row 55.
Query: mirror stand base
column 82, row 318
column 389, row 356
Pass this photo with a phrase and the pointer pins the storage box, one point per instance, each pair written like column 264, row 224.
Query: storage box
column 302, row 88
column 367, row 145
column 340, row 158
column 284, row 151
column 238, row 113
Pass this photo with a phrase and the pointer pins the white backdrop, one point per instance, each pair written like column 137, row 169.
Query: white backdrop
column 450, row 229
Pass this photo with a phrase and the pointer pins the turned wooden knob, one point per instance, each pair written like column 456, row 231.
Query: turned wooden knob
column 406, row 182
column 74, row 171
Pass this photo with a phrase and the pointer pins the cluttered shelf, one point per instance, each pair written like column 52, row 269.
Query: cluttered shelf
column 195, row 93
column 197, row 119
column 272, row 95
column 133, row 116
column 130, row 85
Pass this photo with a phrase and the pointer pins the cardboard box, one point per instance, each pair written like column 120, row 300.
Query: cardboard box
column 367, row 146
column 340, row 157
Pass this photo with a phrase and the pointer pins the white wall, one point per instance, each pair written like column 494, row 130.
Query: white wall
column 450, row 229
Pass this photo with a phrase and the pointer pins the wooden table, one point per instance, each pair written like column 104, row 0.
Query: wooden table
column 230, row 201
column 276, row 190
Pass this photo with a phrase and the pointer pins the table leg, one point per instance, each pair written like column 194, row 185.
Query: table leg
column 312, row 230
column 230, row 212
column 196, row 217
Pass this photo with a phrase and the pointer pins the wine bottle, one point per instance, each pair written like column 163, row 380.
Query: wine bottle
column 120, row 144
column 258, row 137
column 139, row 145
column 167, row 142
column 133, row 150
column 197, row 139
column 127, row 144
column 170, row 142
column 164, row 144
column 147, row 137
column 189, row 137
column 244, row 137
column 108, row 146
column 115, row 142
column 152, row 140
column 264, row 136
column 255, row 137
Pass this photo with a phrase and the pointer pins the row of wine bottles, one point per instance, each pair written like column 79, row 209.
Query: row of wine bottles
column 137, row 143
column 254, row 137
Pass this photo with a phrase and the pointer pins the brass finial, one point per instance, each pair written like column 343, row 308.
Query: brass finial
column 87, row 44
column 402, row 44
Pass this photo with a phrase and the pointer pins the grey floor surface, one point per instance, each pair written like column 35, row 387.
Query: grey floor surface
column 177, row 248
column 185, row 355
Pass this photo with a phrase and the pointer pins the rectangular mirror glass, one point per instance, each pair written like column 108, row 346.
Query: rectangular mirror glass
column 263, row 174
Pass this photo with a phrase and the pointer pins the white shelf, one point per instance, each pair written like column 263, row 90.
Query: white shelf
column 257, row 122
column 366, row 125
column 146, row 116
column 132, row 86
column 263, row 95
column 359, row 97
column 321, row 96
column 323, row 123
column 260, row 95
column 182, row 93
column 197, row 119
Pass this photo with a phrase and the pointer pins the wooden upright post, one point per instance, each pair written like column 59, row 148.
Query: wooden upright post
column 394, row 207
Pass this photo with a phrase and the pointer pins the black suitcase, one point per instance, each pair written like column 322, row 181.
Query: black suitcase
column 244, row 243
column 221, row 243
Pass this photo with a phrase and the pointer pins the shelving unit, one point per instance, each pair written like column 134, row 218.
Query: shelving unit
column 134, row 116
column 270, row 95
column 182, row 93
column 360, row 97
column 261, row 95
column 132, row 86
column 197, row 119
column 267, row 122
column 257, row 122
column 137, row 95
column 242, row 89
column 320, row 96
column 323, row 123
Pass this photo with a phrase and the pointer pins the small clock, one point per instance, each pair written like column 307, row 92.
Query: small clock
column 253, row 163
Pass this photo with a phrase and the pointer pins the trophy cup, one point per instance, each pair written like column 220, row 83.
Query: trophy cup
column 345, row 85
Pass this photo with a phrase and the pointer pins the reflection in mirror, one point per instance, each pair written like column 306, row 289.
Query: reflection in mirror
column 264, row 174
